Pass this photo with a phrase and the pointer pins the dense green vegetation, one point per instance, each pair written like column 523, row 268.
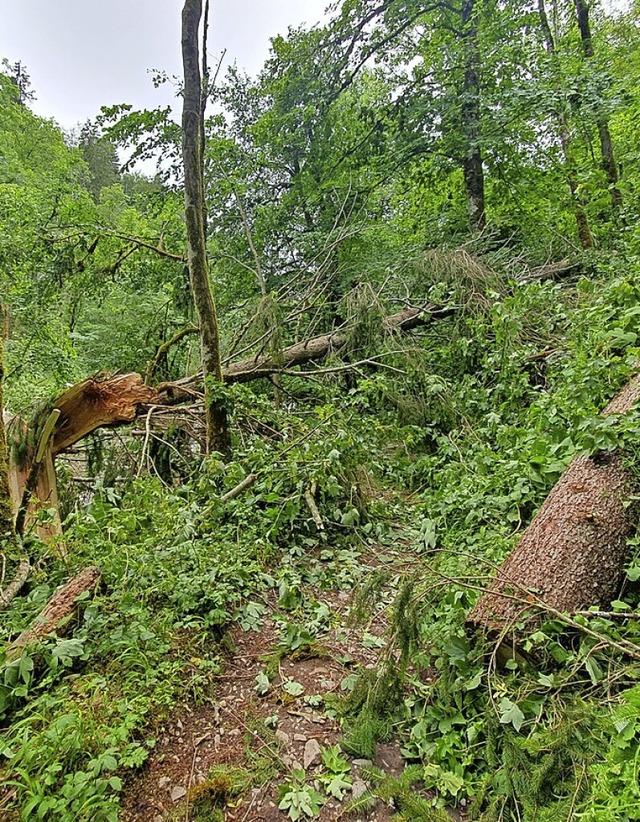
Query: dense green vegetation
column 412, row 155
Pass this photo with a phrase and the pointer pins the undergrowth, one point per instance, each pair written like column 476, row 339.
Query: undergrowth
column 446, row 458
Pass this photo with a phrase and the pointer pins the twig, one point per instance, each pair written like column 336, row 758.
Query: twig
column 311, row 502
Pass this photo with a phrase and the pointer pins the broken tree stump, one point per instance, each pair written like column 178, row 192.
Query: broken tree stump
column 573, row 553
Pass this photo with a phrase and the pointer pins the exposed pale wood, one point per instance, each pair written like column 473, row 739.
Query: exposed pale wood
column 247, row 482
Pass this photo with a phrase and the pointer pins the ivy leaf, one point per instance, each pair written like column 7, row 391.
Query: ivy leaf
column 510, row 714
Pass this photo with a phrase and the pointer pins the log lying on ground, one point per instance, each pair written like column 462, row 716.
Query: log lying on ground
column 572, row 554
column 313, row 349
column 55, row 616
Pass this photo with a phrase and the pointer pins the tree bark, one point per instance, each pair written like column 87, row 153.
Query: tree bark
column 572, row 554
column 55, row 615
column 218, row 438
column 6, row 512
column 311, row 350
column 471, row 126
column 582, row 223
column 609, row 164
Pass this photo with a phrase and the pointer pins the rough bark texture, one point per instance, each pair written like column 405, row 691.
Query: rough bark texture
column 606, row 145
column 572, row 554
column 54, row 616
column 582, row 223
column 315, row 348
column 472, row 163
column 192, row 131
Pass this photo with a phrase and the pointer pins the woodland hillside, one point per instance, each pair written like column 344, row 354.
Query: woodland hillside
column 319, row 452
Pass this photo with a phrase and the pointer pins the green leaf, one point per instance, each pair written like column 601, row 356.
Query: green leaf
column 262, row 683
column 510, row 714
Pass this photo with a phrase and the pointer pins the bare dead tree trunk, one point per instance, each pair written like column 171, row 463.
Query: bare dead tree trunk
column 572, row 554
column 609, row 164
column 582, row 223
column 218, row 438
column 472, row 163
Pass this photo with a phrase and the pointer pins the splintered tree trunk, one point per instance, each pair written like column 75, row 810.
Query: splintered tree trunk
column 606, row 145
column 572, row 554
column 93, row 403
column 472, row 163
column 218, row 438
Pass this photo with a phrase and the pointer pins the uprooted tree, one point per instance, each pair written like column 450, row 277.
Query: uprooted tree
column 573, row 553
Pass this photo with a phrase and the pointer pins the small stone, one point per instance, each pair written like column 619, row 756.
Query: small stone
column 359, row 788
column 312, row 753
column 283, row 736
column 164, row 782
column 362, row 763
column 178, row 793
column 216, row 740
column 158, row 818
column 299, row 738
column 179, row 724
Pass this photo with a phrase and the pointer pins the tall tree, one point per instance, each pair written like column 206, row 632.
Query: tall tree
column 470, row 115
column 218, row 438
column 6, row 513
column 602, row 122
column 582, row 222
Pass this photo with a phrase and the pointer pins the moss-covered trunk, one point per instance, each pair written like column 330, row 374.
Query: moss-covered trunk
column 218, row 437
column 6, row 510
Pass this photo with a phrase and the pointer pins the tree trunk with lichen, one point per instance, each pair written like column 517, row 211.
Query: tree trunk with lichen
column 6, row 512
column 218, row 438
column 573, row 553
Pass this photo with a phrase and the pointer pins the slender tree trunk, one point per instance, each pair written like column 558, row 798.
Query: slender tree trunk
column 582, row 223
column 602, row 122
column 218, row 438
column 572, row 554
column 472, row 163
column 6, row 509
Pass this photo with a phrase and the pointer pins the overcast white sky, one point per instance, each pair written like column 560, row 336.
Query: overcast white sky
column 83, row 54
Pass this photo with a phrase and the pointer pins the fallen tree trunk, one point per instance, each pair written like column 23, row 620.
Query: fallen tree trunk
column 572, row 554
column 311, row 350
column 55, row 616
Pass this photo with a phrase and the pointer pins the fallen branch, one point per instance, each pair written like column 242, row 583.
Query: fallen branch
column 315, row 348
column 11, row 591
column 311, row 503
column 247, row 482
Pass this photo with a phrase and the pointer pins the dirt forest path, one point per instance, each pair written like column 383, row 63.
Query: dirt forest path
column 235, row 751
